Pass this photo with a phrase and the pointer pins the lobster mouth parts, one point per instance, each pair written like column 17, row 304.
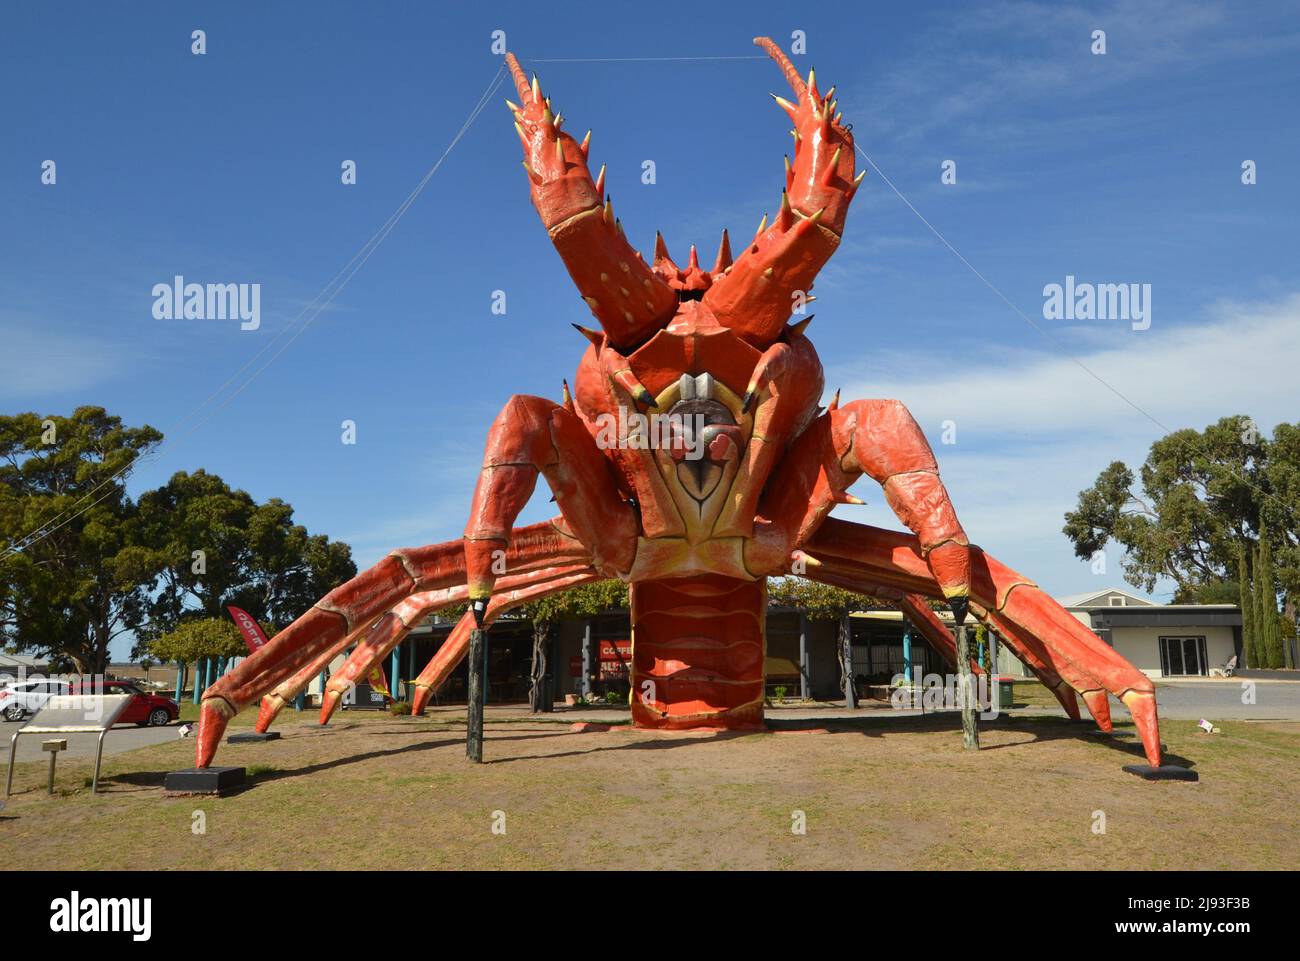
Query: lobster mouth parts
column 710, row 441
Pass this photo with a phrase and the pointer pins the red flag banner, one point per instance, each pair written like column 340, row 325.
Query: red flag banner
column 251, row 630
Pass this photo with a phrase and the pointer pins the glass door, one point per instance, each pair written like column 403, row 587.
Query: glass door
column 1183, row 656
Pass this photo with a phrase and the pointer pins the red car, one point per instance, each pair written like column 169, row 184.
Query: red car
column 144, row 709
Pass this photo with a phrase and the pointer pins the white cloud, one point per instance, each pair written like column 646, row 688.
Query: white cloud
column 1033, row 428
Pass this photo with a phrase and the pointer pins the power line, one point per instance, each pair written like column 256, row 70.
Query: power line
column 330, row 291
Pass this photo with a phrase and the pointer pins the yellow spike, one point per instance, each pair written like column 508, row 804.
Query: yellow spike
column 817, row 216
column 568, row 398
column 785, row 105
column 514, row 107
column 762, row 225
column 785, row 217
column 600, row 180
column 520, row 130
column 547, row 116
column 835, row 401
column 609, row 210
column 594, row 336
column 839, row 117
column 798, row 328
column 537, row 90
column 844, row 497
column 592, row 302
column 526, row 167
column 586, row 143
column 859, row 178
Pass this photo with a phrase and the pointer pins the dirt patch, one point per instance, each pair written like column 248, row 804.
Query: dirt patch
column 382, row 792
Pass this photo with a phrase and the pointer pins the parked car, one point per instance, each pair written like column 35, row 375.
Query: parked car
column 21, row 699
column 145, row 709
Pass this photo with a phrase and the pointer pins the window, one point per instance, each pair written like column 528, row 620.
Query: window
column 1117, row 601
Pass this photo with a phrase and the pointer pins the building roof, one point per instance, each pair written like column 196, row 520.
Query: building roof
column 1102, row 598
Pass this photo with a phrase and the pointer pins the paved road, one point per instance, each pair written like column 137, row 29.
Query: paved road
column 121, row 738
column 1192, row 700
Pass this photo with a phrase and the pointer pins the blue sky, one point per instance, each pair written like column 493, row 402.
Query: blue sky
column 1122, row 168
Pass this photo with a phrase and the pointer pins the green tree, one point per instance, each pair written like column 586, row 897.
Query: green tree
column 586, row 600
column 1195, row 513
column 199, row 638
column 1198, row 499
column 1267, row 625
column 74, row 570
column 217, row 546
column 1246, row 600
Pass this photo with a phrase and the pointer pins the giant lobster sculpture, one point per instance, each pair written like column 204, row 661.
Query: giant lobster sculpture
column 738, row 489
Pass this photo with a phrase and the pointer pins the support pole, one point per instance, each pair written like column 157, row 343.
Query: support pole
column 477, row 683
column 180, row 679
column 970, row 735
column 907, row 648
column 99, row 757
column 805, row 678
column 198, row 680
column 394, row 666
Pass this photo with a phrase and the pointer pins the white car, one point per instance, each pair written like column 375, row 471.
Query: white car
column 23, row 698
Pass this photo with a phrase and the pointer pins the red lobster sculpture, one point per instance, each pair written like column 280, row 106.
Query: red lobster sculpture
column 738, row 489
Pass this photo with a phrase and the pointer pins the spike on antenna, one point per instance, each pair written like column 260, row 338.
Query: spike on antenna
column 724, row 254
column 595, row 336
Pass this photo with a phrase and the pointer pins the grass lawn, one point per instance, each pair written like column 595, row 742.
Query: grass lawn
column 373, row 791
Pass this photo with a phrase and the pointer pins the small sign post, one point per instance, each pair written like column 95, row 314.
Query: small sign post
column 54, row 747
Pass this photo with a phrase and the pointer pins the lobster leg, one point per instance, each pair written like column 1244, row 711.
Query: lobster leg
column 389, row 631
column 533, row 435
column 351, row 608
column 879, row 438
column 1083, row 660
column 273, row 703
column 456, row 646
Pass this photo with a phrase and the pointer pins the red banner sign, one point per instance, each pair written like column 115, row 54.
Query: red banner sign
column 251, row 630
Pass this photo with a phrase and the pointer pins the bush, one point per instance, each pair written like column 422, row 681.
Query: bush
column 399, row 708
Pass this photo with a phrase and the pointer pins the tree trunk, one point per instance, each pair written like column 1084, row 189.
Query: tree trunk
column 539, row 698
column 846, row 662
